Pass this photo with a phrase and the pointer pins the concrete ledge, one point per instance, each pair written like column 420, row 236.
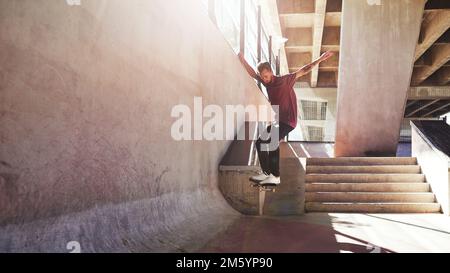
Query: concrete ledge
column 252, row 169
column 435, row 165
column 288, row 199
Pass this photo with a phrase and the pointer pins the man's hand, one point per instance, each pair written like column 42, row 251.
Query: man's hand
column 307, row 68
column 325, row 56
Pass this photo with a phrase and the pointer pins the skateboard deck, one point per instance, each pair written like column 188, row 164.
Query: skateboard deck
column 266, row 187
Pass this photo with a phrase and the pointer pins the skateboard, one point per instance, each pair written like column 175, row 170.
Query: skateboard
column 266, row 187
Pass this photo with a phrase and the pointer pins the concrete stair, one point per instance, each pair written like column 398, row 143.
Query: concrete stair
column 366, row 177
column 367, row 185
column 414, row 169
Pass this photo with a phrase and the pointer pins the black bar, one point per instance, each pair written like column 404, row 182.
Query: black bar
column 259, row 48
column 270, row 50
column 242, row 25
column 212, row 10
column 277, row 63
column 259, row 34
column 226, row 262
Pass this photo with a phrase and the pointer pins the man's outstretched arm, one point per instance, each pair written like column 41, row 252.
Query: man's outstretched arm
column 247, row 67
column 307, row 68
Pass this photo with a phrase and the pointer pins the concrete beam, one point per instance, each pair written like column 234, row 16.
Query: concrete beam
column 424, row 60
column 295, row 20
column 335, row 48
column 300, row 46
column 443, row 75
column 329, row 68
column 436, row 109
column 407, row 120
column 429, row 92
column 434, row 24
column 295, row 6
column 308, row 48
column 297, row 60
column 331, row 36
column 442, row 112
column 421, row 107
column 327, row 79
column 411, row 103
column 321, row 68
column 298, row 49
column 444, row 39
column 319, row 20
column 332, row 19
column 298, row 36
column 440, row 55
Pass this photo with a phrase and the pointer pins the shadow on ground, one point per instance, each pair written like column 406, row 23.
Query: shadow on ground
column 286, row 234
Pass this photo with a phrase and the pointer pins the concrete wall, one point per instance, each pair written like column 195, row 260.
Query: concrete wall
column 435, row 165
column 86, row 153
column 376, row 58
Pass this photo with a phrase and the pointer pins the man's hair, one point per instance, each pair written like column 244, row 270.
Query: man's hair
column 264, row 66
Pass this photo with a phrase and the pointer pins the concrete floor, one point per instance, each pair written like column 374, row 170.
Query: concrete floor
column 336, row 232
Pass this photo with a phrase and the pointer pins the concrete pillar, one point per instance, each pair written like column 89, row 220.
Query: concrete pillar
column 378, row 41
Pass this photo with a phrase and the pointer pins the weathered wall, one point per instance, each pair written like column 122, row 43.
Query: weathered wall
column 376, row 60
column 86, row 153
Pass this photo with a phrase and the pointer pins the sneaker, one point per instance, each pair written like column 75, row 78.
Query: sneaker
column 270, row 180
column 259, row 177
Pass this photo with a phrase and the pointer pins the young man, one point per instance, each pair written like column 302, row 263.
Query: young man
column 281, row 93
